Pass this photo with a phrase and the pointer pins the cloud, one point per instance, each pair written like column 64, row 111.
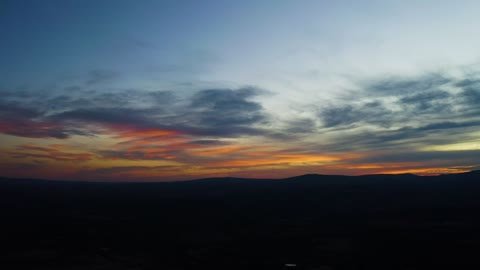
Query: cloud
column 212, row 112
column 206, row 113
column 53, row 152
column 398, row 139
column 449, row 125
column 19, row 120
column 371, row 112
column 300, row 126
column 32, row 129
column 393, row 86
column 451, row 158
column 468, row 83
column 139, row 154
column 396, row 103
column 226, row 108
column 432, row 101
column 94, row 99
column 230, row 128
column 209, row 142
column 111, row 116
column 408, row 122
column 149, row 148
column 14, row 110
column 471, row 94
column 161, row 97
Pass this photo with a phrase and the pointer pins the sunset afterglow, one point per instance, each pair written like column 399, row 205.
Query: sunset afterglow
column 167, row 90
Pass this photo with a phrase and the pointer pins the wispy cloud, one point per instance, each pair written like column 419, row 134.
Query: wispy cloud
column 53, row 152
column 387, row 121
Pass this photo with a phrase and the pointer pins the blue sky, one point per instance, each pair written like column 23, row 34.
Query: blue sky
column 336, row 84
column 244, row 43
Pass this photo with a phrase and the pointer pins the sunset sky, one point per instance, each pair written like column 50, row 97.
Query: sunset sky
column 141, row 90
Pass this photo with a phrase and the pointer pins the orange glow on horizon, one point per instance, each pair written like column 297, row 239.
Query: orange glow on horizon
column 150, row 154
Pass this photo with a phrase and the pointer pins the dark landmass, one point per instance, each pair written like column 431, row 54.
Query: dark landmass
column 312, row 221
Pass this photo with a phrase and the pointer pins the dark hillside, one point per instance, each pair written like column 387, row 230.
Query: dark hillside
column 313, row 221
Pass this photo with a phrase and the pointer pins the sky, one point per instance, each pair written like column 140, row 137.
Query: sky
column 124, row 90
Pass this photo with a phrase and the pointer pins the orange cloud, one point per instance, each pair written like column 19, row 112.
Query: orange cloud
column 53, row 152
column 125, row 131
column 256, row 159
column 223, row 150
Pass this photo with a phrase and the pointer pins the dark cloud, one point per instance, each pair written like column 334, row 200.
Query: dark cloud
column 467, row 83
column 400, row 86
column 59, row 103
column 471, row 95
column 33, row 151
column 372, row 113
column 212, row 112
column 390, row 113
column 221, row 113
column 107, row 116
column 209, row 142
column 133, row 155
column 37, row 116
column 432, row 101
column 300, row 126
column 19, row 120
column 15, row 110
column 294, row 130
column 407, row 114
column 162, row 97
column 427, row 93
column 31, row 129
column 225, row 108
column 449, row 125
column 401, row 139
column 209, row 113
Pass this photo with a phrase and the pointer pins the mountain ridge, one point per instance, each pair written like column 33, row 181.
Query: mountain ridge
column 301, row 177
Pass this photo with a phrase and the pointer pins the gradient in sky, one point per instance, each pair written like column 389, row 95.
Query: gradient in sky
column 172, row 90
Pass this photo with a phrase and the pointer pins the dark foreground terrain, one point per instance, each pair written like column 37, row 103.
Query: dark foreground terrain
column 307, row 222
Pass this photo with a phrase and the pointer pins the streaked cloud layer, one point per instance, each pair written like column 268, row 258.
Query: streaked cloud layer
column 164, row 90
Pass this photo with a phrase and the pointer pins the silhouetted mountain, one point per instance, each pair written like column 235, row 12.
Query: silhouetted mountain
column 314, row 221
